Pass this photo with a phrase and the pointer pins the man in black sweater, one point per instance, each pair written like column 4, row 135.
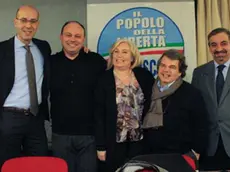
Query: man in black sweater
column 73, row 77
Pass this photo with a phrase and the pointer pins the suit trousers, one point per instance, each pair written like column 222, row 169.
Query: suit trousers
column 79, row 151
column 21, row 135
column 220, row 161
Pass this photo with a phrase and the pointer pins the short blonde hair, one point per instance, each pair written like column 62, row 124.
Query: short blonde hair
column 134, row 52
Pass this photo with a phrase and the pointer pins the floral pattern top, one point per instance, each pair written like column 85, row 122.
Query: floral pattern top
column 130, row 100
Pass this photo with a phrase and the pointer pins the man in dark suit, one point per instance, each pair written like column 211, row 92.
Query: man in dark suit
column 23, row 89
column 213, row 79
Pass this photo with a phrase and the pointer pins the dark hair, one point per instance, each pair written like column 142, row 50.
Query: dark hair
column 216, row 31
column 175, row 55
column 68, row 22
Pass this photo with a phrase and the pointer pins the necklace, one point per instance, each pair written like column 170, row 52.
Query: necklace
column 122, row 77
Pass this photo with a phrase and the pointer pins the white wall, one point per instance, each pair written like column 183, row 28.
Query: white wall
column 115, row 1
column 53, row 14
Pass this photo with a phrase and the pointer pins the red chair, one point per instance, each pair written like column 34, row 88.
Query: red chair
column 35, row 164
column 190, row 161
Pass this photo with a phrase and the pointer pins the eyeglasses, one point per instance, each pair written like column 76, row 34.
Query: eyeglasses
column 24, row 21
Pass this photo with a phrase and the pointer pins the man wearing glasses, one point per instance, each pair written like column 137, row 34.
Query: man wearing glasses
column 23, row 89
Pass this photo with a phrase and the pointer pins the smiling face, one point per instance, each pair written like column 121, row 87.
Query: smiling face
column 168, row 70
column 219, row 47
column 72, row 39
column 122, row 56
column 26, row 23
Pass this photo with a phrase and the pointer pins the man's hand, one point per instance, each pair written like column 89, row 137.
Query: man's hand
column 101, row 155
column 86, row 49
column 196, row 154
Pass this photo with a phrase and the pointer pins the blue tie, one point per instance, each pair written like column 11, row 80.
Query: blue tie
column 219, row 82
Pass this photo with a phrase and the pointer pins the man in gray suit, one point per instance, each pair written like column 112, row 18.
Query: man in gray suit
column 213, row 79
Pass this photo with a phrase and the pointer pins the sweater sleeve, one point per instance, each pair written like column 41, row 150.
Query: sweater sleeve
column 99, row 116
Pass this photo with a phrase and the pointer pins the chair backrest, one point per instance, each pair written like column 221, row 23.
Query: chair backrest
column 170, row 162
column 140, row 166
column 35, row 164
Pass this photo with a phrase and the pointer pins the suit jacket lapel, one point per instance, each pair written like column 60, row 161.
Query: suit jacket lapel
column 45, row 54
column 7, row 64
column 9, row 59
column 226, row 87
column 211, row 86
column 41, row 48
column 10, row 50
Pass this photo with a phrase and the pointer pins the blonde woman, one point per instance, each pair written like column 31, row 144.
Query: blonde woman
column 122, row 97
